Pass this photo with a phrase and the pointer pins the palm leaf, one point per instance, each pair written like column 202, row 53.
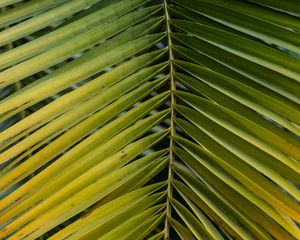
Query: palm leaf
column 149, row 119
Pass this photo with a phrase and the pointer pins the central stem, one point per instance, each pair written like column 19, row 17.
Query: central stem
column 172, row 123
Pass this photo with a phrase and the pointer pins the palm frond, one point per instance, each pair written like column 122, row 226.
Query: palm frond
column 149, row 119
